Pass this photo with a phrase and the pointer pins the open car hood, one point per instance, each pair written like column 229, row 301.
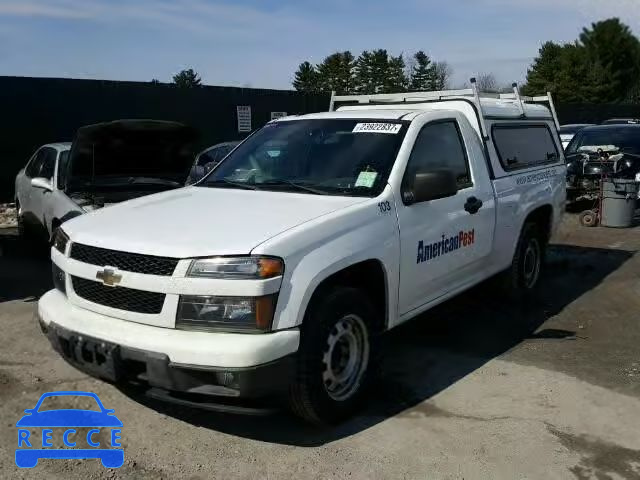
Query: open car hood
column 129, row 152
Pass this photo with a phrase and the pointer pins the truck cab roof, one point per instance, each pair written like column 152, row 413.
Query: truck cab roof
column 478, row 108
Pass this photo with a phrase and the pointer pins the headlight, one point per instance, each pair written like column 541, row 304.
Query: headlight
column 60, row 241
column 237, row 268
column 211, row 313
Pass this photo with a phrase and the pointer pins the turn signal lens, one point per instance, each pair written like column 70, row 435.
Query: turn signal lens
column 238, row 268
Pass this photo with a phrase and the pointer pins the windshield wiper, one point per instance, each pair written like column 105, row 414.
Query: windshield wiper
column 224, row 181
column 298, row 186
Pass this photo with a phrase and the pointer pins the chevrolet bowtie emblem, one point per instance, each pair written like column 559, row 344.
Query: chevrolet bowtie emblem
column 109, row 277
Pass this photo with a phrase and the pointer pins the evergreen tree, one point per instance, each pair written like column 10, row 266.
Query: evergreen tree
column 395, row 80
column 612, row 48
column 306, row 78
column 603, row 66
column 423, row 76
column 379, row 69
column 336, row 73
column 187, row 79
column 363, row 74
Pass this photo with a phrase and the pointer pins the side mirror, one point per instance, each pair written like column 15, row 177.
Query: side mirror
column 43, row 183
column 430, row 185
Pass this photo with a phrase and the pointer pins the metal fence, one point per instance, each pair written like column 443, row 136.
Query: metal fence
column 42, row 110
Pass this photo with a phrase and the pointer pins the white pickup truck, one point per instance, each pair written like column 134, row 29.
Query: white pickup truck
column 274, row 277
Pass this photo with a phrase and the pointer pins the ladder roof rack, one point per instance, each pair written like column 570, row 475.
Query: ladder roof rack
column 481, row 100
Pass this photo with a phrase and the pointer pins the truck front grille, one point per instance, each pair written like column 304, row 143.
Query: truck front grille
column 121, row 298
column 130, row 262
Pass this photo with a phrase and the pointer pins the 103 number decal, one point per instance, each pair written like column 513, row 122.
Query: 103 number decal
column 384, row 207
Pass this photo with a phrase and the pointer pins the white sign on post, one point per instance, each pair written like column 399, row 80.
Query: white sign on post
column 244, row 118
column 275, row 115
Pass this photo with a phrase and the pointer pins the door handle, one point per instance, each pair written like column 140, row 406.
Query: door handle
column 473, row 205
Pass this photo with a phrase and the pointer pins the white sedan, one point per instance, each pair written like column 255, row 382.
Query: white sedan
column 38, row 185
column 109, row 163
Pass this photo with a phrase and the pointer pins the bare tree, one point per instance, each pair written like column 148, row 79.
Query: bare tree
column 487, row 82
column 444, row 72
column 409, row 64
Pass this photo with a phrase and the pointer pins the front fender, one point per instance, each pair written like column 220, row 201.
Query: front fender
column 61, row 208
column 316, row 250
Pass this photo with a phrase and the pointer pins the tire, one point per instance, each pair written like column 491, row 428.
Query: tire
column 338, row 356
column 588, row 218
column 522, row 277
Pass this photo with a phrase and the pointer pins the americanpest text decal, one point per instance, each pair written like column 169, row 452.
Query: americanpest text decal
column 444, row 246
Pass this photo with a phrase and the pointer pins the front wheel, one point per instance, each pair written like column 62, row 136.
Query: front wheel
column 337, row 358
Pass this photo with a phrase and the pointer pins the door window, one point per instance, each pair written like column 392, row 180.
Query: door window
column 439, row 146
column 48, row 164
column 35, row 165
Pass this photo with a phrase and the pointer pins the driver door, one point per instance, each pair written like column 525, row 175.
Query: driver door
column 40, row 196
column 445, row 242
column 25, row 191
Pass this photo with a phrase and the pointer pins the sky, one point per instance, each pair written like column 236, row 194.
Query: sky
column 259, row 43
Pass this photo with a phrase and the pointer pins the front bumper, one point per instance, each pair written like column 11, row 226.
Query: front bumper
column 187, row 367
column 118, row 364
column 199, row 349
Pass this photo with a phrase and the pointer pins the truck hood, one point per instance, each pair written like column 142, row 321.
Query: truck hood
column 130, row 152
column 200, row 221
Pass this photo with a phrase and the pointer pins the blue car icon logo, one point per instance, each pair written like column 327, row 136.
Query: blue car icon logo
column 65, row 421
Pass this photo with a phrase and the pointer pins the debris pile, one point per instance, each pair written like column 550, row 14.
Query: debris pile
column 7, row 215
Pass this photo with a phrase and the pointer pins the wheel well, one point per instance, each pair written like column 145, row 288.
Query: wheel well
column 542, row 217
column 368, row 276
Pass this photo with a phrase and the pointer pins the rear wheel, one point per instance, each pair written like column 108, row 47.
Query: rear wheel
column 337, row 358
column 522, row 278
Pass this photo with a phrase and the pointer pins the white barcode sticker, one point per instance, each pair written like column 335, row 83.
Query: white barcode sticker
column 392, row 128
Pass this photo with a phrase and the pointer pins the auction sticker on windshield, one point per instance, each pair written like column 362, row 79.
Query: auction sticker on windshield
column 392, row 128
column 54, row 430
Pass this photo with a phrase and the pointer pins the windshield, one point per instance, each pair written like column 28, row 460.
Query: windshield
column 571, row 129
column 626, row 140
column 335, row 156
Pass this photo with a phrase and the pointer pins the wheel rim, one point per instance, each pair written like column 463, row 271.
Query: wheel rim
column 531, row 263
column 588, row 220
column 346, row 357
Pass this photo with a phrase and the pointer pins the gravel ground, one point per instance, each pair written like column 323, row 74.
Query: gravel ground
column 477, row 388
column 7, row 215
